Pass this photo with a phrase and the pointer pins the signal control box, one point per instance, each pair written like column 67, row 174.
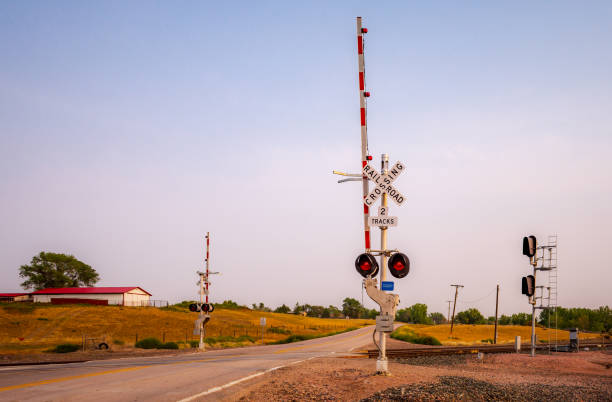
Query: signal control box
column 384, row 323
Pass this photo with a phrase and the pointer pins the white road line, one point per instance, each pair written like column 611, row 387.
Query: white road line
column 229, row 384
column 17, row 368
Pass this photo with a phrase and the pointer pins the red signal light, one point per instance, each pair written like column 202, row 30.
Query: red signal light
column 399, row 265
column 366, row 265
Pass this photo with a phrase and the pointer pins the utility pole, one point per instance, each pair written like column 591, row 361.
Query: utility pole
column 454, row 306
column 448, row 317
column 496, row 309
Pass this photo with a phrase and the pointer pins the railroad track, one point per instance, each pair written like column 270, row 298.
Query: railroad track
column 458, row 350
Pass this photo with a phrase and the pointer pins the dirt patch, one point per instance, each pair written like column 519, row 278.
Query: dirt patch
column 576, row 376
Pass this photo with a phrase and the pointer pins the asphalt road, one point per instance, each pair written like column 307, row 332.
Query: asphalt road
column 210, row 375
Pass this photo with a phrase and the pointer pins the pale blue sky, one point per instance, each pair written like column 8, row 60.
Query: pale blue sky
column 128, row 130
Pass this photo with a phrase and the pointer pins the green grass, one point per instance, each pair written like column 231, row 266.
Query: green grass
column 407, row 335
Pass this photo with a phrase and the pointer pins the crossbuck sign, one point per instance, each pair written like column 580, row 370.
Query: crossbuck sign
column 383, row 184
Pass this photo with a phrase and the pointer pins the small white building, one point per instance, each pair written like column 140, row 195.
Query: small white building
column 123, row 296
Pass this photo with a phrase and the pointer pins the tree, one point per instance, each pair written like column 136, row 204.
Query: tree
column 521, row 319
column 403, row 315
column 333, row 311
column 351, row 308
column 505, row 320
column 437, row 318
column 54, row 270
column 583, row 318
column 418, row 314
column 470, row 316
column 315, row 311
column 261, row 307
column 283, row 309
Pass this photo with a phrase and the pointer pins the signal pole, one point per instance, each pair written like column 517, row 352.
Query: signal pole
column 201, row 315
column 496, row 307
column 366, row 264
column 448, row 318
column 454, row 305
column 382, row 356
column 534, row 263
column 204, row 292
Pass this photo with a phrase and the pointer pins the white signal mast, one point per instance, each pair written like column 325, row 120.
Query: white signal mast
column 382, row 187
column 204, row 317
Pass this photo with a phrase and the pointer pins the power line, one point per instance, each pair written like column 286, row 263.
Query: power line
column 477, row 300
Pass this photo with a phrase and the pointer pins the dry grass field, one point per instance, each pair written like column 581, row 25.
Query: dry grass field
column 471, row 334
column 35, row 327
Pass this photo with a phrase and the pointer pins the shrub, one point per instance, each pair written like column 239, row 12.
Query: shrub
column 278, row 330
column 118, row 342
column 19, row 308
column 301, row 337
column 168, row 345
column 295, row 338
column 65, row 348
column 407, row 335
column 221, row 339
column 229, row 304
column 194, row 344
column 148, row 343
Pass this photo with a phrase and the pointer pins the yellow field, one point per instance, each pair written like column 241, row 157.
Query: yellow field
column 471, row 334
column 49, row 325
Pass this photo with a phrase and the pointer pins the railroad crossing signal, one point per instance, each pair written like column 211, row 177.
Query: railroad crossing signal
column 383, row 184
column 366, row 265
column 201, row 307
column 399, row 265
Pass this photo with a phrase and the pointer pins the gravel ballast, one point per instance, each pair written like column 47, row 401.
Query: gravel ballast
column 452, row 388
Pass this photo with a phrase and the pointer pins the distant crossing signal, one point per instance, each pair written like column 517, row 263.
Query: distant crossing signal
column 366, row 265
column 529, row 246
column 203, row 307
column 399, row 265
column 528, row 285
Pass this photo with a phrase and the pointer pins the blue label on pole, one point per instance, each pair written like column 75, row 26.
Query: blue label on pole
column 386, row 285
